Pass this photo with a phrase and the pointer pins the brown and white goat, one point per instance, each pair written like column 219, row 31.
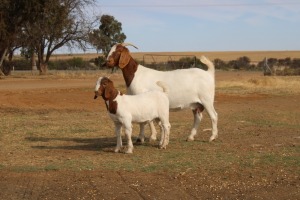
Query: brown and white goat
column 141, row 108
column 188, row 88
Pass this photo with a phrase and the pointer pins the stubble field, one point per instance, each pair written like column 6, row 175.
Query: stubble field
column 57, row 142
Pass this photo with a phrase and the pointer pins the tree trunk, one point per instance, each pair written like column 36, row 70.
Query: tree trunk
column 33, row 63
column 3, row 55
column 43, row 68
column 42, row 64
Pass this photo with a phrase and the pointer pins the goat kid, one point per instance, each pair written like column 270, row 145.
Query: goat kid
column 188, row 88
column 142, row 108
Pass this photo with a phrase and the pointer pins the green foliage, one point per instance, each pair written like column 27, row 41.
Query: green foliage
column 219, row 64
column 99, row 61
column 108, row 34
column 57, row 23
column 244, row 63
column 295, row 63
column 288, row 72
column 70, row 64
column 22, row 64
column 290, row 66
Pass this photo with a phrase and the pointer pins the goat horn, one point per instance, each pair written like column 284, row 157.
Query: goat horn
column 128, row 44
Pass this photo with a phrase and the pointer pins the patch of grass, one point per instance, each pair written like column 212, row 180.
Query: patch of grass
column 283, row 160
column 51, row 167
column 288, row 119
column 79, row 129
column 78, row 164
column 2, row 166
column 278, row 85
column 26, row 168
column 256, row 159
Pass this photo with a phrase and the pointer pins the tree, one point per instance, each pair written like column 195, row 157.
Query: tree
column 243, row 62
column 219, row 64
column 57, row 23
column 42, row 26
column 109, row 33
column 13, row 13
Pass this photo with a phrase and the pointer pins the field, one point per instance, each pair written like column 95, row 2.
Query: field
column 57, row 142
column 255, row 56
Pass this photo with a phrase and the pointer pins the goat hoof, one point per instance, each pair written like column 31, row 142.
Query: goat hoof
column 212, row 138
column 162, row 147
column 117, row 150
column 128, row 152
column 189, row 139
column 139, row 141
column 152, row 140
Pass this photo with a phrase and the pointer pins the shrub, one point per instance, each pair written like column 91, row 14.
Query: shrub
column 22, row 64
column 99, row 61
column 220, row 64
column 75, row 63
column 295, row 63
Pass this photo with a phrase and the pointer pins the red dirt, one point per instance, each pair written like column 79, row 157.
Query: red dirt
column 236, row 137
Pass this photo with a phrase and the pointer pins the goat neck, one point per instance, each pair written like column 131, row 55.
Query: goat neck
column 111, row 106
column 109, row 94
column 129, row 71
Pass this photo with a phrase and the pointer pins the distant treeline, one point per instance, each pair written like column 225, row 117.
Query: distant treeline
column 287, row 65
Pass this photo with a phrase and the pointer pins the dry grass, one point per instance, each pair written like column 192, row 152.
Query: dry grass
column 254, row 82
column 42, row 135
column 60, row 138
column 255, row 56
column 61, row 74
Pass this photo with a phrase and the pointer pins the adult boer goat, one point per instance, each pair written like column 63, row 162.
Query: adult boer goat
column 140, row 108
column 187, row 88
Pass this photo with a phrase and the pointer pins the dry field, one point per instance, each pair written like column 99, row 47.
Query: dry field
column 255, row 56
column 57, row 142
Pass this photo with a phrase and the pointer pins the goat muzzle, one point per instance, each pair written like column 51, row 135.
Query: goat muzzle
column 104, row 64
column 96, row 95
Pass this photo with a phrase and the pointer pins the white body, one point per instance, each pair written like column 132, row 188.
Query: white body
column 187, row 88
column 141, row 108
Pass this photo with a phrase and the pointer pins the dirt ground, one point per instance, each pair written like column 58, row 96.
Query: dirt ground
column 56, row 142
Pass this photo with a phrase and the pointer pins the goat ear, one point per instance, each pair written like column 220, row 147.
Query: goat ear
column 107, row 91
column 124, row 58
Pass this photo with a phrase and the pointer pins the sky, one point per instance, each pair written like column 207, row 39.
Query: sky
column 207, row 25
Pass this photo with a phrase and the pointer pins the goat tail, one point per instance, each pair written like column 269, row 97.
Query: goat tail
column 164, row 86
column 209, row 64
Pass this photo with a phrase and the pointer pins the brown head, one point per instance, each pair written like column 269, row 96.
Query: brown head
column 105, row 88
column 119, row 55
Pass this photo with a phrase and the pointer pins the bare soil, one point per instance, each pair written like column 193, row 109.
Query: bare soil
column 56, row 142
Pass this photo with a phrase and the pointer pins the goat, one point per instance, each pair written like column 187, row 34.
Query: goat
column 141, row 108
column 188, row 88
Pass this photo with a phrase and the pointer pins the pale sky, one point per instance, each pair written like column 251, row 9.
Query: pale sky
column 207, row 25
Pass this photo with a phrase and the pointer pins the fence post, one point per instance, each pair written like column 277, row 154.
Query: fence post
column 267, row 69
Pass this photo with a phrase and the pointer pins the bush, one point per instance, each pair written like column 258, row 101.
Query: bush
column 220, row 64
column 184, row 63
column 99, row 61
column 58, row 65
column 288, row 72
column 295, row 64
column 22, row 64
column 75, row 63
column 243, row 62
